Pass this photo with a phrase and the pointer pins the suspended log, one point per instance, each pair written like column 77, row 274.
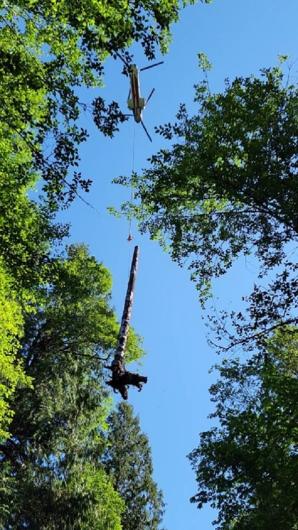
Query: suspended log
column 126, row 316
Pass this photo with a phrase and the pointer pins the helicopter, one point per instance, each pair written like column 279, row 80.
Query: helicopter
column 135, row 102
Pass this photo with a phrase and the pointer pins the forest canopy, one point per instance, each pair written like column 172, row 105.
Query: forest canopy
column 57, row 327
column 47, row 51
column 224, row 187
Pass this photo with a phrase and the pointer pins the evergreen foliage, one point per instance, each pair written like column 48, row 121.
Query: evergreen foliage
column 127, row 460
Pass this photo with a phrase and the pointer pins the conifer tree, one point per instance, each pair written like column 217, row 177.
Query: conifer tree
column 127, row 460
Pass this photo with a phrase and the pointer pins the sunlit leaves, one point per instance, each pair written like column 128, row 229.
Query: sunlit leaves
column 50, row 48
column 12, row 372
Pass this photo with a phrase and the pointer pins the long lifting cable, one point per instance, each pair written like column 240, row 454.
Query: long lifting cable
column 130, row 236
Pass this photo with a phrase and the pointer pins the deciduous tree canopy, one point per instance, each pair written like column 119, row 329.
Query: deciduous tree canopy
column 47, row 50
column 247, row 466
column 227, row 187
column 11, row 331
column 230, row 185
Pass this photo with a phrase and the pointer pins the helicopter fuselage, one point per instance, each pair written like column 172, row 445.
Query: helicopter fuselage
column 135, row 102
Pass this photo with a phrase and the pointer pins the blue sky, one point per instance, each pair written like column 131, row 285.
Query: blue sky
column 239, row 37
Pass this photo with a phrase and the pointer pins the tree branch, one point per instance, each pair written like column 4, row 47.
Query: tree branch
column 254, row 336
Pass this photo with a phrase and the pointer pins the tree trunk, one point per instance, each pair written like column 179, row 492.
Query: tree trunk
column 126, row 316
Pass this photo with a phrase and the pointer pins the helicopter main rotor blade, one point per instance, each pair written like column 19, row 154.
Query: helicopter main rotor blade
column 143, row 125
column 151, row 66
column 122, row 59
column 150, row 95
